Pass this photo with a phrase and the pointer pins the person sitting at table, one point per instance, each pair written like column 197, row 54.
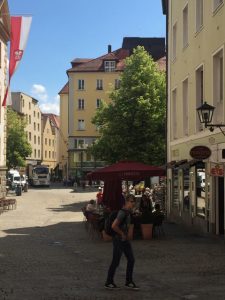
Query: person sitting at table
column 91, row 206
column 145, row 204
column 99, row 196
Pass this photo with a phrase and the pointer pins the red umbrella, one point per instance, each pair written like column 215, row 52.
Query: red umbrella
column 127, row 170
column 123, row 170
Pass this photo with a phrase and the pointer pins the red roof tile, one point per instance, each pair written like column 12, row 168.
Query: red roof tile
column 65, row 89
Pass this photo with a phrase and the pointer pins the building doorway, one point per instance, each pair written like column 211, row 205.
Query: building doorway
column 221, row 205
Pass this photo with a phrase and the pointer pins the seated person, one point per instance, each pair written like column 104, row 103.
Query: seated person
column 145, row 204
column 158, row 215
column 91, row 206
column 99, row 196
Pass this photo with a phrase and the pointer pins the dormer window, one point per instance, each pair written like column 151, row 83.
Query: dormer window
column 110, row 66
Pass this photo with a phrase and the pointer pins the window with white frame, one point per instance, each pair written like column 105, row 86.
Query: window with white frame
column 199, row 14
column 174, row 114
column 199, row 76
column 117, row 84
column 80, row 104
column 81, row 124
column 185, row 26
column 99, row 84
column 80, row 84
column 216, row 3
column 185, row 107
column 174, row 49
column 218, row 78
column 110, row 66
column 98, row 103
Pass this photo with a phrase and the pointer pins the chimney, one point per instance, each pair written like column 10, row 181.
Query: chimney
column 109, row 48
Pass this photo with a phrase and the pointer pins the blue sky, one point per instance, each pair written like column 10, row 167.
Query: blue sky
column 64, row 30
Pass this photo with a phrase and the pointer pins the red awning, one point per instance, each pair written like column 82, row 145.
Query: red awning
column 126, row 170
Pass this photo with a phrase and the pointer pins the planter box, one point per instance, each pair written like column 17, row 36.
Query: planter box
column 106, row 237
column 146, row 230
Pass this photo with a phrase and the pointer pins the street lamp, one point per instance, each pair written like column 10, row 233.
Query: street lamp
column 205, row 114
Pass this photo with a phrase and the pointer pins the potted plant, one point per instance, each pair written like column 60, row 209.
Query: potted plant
column 146, row 225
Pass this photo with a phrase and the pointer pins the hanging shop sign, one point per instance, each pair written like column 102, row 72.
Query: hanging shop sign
column 200, row 152
column 217, row 169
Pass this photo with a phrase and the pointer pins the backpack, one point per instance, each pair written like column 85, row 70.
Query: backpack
column 109, row 221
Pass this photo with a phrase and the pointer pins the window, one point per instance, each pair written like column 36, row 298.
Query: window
column 99, row 84
column 46, row 141
column 45, row 154
column 110, row 66
column 29, row 136
column 34, row 126
column 23, row 102
column 38, row 115
column 216, row 3
column 52, row 154
column 39, row 153
column 53, row 143
column 79, row 143
column 98, row 103
column 39, row 140
column 34, row 114
column 80, row 104
column 38, row 126
column 35, row 139
column 81, row 125
column 174, row 42
column 174, row 114
column 49, row 153
column 29, row 105
column 175, row 198
column 186, row 190
column 80, row 84
column 35, row 153
column 29, row 119
column 117, row 84
column 199, row 92
column 185, row 26
column 49, row 142
column 200, row 189
column 199, row 14
column 218, row 78
column 185, row 107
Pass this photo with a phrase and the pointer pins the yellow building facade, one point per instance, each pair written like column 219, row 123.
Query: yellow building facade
column 29, row 108
column 195, row 74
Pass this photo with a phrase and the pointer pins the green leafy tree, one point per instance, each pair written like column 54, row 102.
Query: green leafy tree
column 18, row 147
column 132, row 126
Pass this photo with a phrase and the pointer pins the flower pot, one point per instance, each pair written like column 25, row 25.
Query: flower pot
column 130, row 232
column 146, row 230
column 106, row 237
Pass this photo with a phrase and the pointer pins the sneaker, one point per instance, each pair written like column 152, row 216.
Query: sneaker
column 111, row 286
column 132, row 286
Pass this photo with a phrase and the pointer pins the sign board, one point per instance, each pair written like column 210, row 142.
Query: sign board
column 200, row 152
column 217, row 169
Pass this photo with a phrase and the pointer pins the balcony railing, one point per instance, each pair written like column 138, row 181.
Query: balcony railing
column 88, row 164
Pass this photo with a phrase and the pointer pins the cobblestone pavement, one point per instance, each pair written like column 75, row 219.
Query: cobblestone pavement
column 46, row 254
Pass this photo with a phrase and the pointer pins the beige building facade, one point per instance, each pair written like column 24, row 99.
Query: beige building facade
column 195, row 74
column 50, row 141
column 29, row 108
column 4, row 38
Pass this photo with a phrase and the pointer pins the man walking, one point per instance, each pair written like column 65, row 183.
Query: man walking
column 122, row 245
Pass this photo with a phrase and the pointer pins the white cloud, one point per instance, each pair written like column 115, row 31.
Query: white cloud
column 46, row 104
column 52, row 108
column 39, row 91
